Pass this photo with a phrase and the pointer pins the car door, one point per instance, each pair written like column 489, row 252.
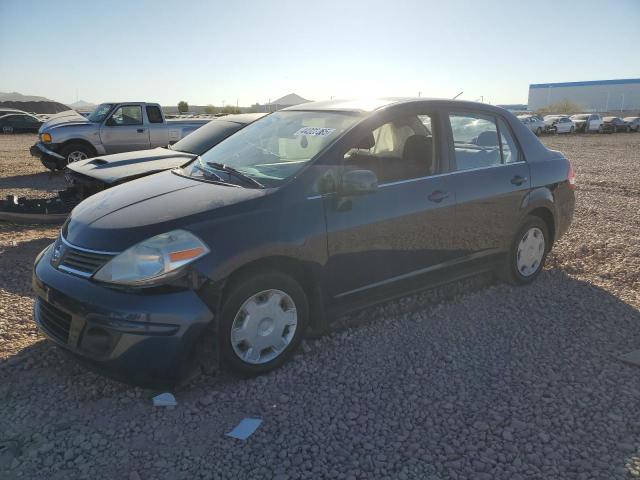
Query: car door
column 124, row 130
column 491, row 179
column 404, row 228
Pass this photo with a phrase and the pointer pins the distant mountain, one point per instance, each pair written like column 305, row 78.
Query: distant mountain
column 18, row 97
column 291, row 99
column 83, row 105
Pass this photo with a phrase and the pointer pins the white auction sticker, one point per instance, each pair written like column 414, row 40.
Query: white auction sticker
column 315, row 131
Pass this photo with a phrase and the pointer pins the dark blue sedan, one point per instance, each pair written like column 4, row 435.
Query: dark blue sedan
column 304, row 214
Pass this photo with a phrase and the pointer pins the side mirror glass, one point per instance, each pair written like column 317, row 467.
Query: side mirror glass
column 358, row 182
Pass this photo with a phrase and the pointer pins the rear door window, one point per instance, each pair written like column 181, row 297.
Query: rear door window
column 475, row 140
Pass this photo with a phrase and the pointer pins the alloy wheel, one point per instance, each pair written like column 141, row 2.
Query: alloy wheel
column 530, row 252
column 76, row 155
column 264, row 326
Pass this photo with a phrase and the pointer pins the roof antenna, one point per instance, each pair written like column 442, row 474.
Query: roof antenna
column 457, row 95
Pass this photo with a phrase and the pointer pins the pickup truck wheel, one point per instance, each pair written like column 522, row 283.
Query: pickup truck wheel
column 527, row 253
column 73, row 153
column 263, row 320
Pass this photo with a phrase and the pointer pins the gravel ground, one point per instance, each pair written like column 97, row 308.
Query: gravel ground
column 496, row 383
column 23, row 175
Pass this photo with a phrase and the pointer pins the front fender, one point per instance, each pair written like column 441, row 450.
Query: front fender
column 89, row 133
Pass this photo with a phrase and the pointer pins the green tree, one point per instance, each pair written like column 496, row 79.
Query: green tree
column 210, row 109
column 230, row 109
column 183, row 106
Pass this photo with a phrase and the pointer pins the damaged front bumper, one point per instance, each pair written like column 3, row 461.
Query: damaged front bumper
column 47, row 155
column 143, row 337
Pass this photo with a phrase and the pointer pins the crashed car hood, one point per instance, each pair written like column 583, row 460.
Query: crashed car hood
column 124, row 215
column 65, row 118
column 120, row 167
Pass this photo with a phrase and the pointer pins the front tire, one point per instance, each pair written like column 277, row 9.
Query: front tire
column 263, row 320
column 72, row 153
column 527, row 253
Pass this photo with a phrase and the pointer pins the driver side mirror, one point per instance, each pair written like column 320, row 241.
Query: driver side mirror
column 358, row 182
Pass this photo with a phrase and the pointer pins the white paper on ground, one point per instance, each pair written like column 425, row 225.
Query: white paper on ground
column 164, row 400
column 245, row 428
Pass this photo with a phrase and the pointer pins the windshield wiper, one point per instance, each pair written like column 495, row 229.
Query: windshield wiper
column 236, row 173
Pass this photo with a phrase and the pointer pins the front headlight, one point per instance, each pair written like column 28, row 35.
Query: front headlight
column 46, row 137
column 153, row 260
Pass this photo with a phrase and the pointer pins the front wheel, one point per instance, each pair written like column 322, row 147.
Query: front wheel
column 263, row 320
column 527, row 253
column 73, row 153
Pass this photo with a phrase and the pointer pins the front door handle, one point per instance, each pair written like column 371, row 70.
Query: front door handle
column 437, row 196
column 518, row 180
column 141, row 130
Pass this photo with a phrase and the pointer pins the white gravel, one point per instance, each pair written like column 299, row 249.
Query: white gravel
column 498, row 383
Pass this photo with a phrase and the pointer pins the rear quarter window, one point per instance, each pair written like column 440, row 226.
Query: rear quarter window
column 154, row 114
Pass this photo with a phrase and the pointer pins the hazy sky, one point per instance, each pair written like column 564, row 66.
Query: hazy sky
column 250, row 51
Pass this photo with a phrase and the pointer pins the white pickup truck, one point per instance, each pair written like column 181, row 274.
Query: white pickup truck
column 111, row 128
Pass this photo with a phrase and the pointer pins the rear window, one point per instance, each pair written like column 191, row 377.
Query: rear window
column 153, row 114
column 206, row 137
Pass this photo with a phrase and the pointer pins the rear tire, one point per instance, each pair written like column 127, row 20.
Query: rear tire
column 73, row 153
column 281, row 318
column 527, row 253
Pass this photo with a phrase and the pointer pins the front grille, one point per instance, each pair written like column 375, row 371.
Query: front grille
column 53, row 321
column 82, row 262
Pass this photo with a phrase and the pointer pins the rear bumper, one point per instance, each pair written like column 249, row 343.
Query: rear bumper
column 46, row 154
column 141, row 338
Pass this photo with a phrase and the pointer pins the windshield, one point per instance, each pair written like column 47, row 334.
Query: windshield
column 206, row 137
column 100, row 112
column 275, row 147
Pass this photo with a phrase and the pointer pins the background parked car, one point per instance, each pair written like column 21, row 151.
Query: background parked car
column 587, row 122
column 616, row 124
column 8, row 111
column 94, row 174
column 535, row 123
column 633, row 122
column 19, row 123
column 560, row 124
column 111, row 128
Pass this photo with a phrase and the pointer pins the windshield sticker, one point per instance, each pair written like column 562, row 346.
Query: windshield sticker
column 314, row 131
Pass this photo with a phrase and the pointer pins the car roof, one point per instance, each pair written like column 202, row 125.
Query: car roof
column 369, row 105
column 240, row 118
column 12, row 114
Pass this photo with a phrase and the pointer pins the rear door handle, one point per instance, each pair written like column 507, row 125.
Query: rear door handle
column 518, row 180
column 141, row 130
column 437, row 196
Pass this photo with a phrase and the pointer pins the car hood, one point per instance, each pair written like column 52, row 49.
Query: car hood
column 120, row 167
column 124, row 215
column 66, row 118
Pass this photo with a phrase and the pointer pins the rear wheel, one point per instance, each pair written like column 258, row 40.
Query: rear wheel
column 73, row 153
column 527, row 253
column 263, row 320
